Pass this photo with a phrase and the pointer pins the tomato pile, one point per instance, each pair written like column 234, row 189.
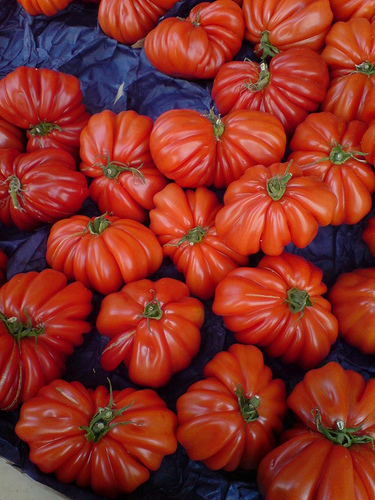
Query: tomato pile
column 187, row 247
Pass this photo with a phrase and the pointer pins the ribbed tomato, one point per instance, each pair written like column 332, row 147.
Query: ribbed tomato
column 44, row 7
column 11, row 137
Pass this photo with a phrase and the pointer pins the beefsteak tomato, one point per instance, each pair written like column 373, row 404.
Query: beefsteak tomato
column 103, row 252
column 42, row 319
column 279, row 307
column 184, row 223
column 128, row 21
column 44, row 7
column 343, row 11
column 353, row 303
column 328, row 147
column 195, row 149
column 196, row 47
column 39, row 187
column 232, row 418
column 11, row 137
column 115, row 153
column 154, row 329
column 47, row 104
column 270, row 207
column 291, row 86
column 108, row 441
column 350, row 56
column 330, row 452
column 274, row 25
column 3, row 267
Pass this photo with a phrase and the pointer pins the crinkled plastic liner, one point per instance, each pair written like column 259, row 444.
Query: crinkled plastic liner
column 72, row 42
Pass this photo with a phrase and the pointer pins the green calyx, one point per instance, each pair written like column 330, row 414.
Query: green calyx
column 193, row 236
column 20, row 330
column 297, row 300
column 98, row 225
column 152, row 310
column 112, row 169
column 366, row 68
column 276, row 186
column 266, row 47
column 14, row 190
column 217, row 123
column 263, row 79
column 248, row 406
column 101, row 422
column 338, row 156
column 341, row 435
column 43, row 128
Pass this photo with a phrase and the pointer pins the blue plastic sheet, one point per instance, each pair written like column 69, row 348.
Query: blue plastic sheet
column 72, row 42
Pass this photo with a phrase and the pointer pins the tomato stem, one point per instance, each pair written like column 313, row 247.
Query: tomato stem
column 14, row 190
column 20, row 330
column 338, row 156
column 98, row 225
column 43, row 128
column 248, row 406
column 263, row 79
column 298, row 300
column 344, row 436
column 152, row 310
column 216, row 123
column 193, row 236
column 276, row 186
column 266, row 47
column 112, row 169
column 366, row 68
column 196, row 20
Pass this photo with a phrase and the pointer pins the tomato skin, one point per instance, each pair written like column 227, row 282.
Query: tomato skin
column 196, row 47
column 202, row 150
column 46, row 186
column 152, row 348
column 120, row 251
column 256, row 306
column 203, row 258
column 11, row 137
column 251, row 220
column 115, row 153
column 309, row 465
column 32, row 96
column 44, row 7
column 120, row 460
column 352, row 299
column 57, row 313
column 349, row 45
column 131, row 20
column 289, row 23
column 327, row 146
column 211, row 426
column 354, row 8
column 297, row 83
column 3, row 267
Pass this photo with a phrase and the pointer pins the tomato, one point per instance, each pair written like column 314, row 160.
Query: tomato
column 343, row 11
column 270, row 207
column 44, row 7
column 115, row 153
column 127, row 21
column 330, row 453
column 328, row 147
column 231, row 418
column 47, row 104
column 353, row 304
column 3, row 267
column 11, row 137
column 103, row 252
column 274, row 25
column 368, row 235
column 279, row 307
column 154, row 329
column 42, row 319
column 194, row 149
column 184, row 223
column 350, row 56
column 291, row 86
column 39, row 187
column 196, row 47
column 108, row 441
column 368, row 144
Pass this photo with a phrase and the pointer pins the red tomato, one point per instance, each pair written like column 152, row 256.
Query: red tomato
column 350, row 56
column 200, row 150
column 275, row 26
column 196, row 47
column 328, row 147
column 293, row 85
column 103, row 252
column 115, row 152
column 184, row 223
column 46, row 103
column 39, row 187
column 330, row 454
column 11, row 137
column 42, row 319
column 106, row 441
column 154, row 327
column 127, row 21
column 279, row 306
column 368, row 235
column 368, row 144
column 3, row 267
column 343, row 11
column 44, row 7
column 353, row 303
column 231, row 418
column 270, row 207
